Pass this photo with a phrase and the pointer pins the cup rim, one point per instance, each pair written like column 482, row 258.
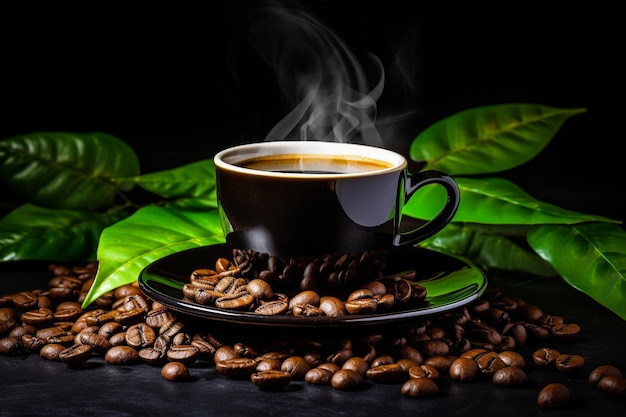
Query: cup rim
column 227, row 158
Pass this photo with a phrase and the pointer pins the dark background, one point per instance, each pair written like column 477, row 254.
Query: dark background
column 180, row 82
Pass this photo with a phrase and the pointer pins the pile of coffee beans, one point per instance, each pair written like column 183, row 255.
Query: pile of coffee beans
column 334, row 285
column 479, row 342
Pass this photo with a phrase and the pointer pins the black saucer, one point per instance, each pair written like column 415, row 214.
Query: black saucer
column 450, row 282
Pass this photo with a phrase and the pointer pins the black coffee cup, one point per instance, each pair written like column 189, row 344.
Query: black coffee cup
column 297, row 198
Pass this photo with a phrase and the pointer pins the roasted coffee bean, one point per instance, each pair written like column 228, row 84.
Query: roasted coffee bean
column 56, row 334
column 205, row 348
column 495, row 317
column 260, row 289
column 554, row 395
column 420, row 388
column 228, row 284
column 489, row 363
column 124, row 291
column 25, row 300
column 346, row 379
column 306, row 310
column 268, row 364
column 69, row 312
column 271, row 379
column 387, row 374
column 274, row 307
column 186, row 354
column 11, row 346
column 423, row 371
column 62, row 293
column 361, row 306
column 569, row 363
column 343, row 354
column 517, row 332
column 175, row 371
column 81, row 322
column 297, row 366
column 42, row 317
column 528, row 312
column 240, row 300
column 313, row 358
column 122, row 355
column 181, row 338
column 152, row 355
column 168, row 331
column 400, row 289
column 51, row 351
column 601, row 371
column 22, row 330
column 433, row 347
column 76, row 355
column 304, row 298
column 440, row 363
column 496, row 298
column 565, row 332
column 356, row 364
column 8, row 319
column 550, row 320
column 222, row 265
column 224, row 353
column 383, row 360
column 464, row 370
column 236, row 367
column 159, row 317
column 536, row 332
column 140, row 335
column 322, row 374
column 545, row 356
column 65, row 281
column 405, row 351
column 613, row 384
column 95, row 340
column 136, row 301
column 480, row 305
column 109, row 329
column 132, row 316
column 32, row 343
column 479, row 331
column 511, row 358
column 118, row 339
column 510, row 376
column 100, row 319
column 244, row 350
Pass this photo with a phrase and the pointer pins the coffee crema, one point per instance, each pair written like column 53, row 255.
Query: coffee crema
column 314, row 164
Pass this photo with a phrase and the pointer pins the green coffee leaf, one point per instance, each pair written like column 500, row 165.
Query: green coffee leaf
column 149, row 234
column 209, row 202
column 489, row 139
column 590, row 257
column 32, row 232
column 493, row 201
column 488, row 249
column 192, row 180
column 67, row 170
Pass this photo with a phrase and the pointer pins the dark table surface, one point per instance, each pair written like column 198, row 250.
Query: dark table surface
column 31, row 385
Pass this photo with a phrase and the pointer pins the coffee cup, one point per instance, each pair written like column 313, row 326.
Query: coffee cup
column 301, row 198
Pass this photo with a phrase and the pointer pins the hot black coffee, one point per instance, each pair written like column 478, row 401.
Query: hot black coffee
column 314, row 164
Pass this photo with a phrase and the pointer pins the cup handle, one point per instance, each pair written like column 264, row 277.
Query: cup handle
column 445, row 215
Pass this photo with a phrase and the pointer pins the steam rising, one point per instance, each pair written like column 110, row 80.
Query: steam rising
column 320, row 80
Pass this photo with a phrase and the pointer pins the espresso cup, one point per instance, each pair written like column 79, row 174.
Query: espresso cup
column 301, row 198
